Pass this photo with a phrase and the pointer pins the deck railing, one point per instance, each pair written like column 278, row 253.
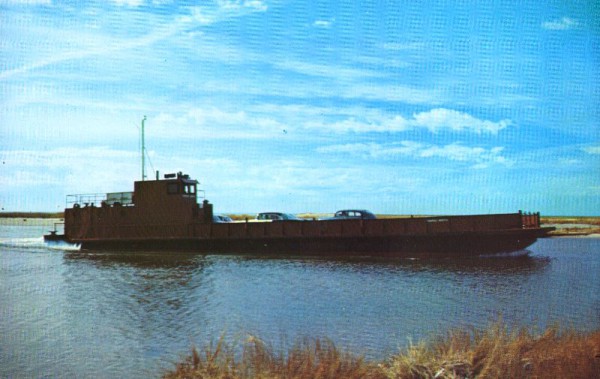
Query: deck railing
column 530, row 220
column 99, row 199
column 88, row 199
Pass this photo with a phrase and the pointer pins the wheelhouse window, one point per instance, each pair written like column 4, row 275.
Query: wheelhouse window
column 185, row 188
column 189, row 189
column 173, row 188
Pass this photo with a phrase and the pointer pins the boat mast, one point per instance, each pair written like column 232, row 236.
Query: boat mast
column 143, row 148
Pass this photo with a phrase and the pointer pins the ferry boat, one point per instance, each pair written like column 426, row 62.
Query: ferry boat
column 164, row 214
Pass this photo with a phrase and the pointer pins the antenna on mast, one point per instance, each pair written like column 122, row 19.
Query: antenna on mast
column 143, row 149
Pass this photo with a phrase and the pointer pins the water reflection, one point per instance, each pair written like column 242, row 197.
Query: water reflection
column 151, row 303
column 178, row 298
column 182, row 265
column 136, row 259
column 111, row 314
column 503, row 264
column 152, row 280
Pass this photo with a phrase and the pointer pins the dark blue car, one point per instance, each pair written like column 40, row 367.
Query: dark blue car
column 352, row 214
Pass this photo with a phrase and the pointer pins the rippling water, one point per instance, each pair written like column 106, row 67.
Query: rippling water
column 65, row 313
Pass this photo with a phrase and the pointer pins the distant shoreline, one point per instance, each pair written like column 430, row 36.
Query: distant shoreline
column 32, row 215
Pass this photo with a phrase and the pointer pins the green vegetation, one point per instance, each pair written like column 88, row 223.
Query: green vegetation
column 496, row 352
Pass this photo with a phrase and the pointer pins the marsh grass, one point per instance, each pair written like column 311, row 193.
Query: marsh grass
column 571, row 220
column 566, row 226
column 498, row 352
column 495, row 352
column 318, row 359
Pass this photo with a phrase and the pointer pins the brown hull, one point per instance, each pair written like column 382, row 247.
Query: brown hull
column 454, row 244
column 165, row 215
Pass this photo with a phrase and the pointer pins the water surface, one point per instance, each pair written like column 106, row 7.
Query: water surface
column 64, row 312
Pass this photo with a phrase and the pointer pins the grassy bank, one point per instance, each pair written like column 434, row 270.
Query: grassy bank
column 566, row 226
column 496, row 352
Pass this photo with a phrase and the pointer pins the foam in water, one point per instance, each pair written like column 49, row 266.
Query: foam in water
column 36, row 243
column 510, row 254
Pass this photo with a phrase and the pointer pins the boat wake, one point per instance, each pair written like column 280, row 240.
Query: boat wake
column 510, row 254
column 36, row 243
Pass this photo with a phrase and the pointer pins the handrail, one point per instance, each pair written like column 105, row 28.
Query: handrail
column 99, row 199
column 84, row 199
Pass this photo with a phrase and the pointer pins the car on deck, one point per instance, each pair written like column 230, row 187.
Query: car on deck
column 352, row 214
column 277, row 216
column 221, row 218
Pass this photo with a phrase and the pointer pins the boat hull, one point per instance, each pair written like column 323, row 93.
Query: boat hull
column 454, row 244
column 164, row 215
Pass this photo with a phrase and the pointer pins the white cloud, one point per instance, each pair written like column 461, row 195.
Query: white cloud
column 479, row 157
column 326, row 24
column 208, row 14
column 215, row 123
column 237, row 5
column 64, row 156
column 264, row 121
column 388, row 92
column 434, row 120
column 456, row 152
column 594, row 150
column 351, row 124
column 564, row 23
column 129, row 3
column 396, row 46
column 441, row 118
column 327, row 70
column 82, row 45
column 77, row 169
column 407, row 148
column 26, row 2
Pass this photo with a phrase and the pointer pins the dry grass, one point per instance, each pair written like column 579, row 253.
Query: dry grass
column 495, row 352
column 571, row 220
column 319, row 359
column 573, row 225
column 500, row 353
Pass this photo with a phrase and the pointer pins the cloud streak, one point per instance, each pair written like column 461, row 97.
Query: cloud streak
column 478, row 157
column 435, row 120
column 565, row 23
column 440, row 119
column 197, row 15
column 593, row 150
column 260, row 122
column 325, row 24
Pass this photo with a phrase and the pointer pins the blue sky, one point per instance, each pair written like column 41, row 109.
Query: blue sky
column 399, row 107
